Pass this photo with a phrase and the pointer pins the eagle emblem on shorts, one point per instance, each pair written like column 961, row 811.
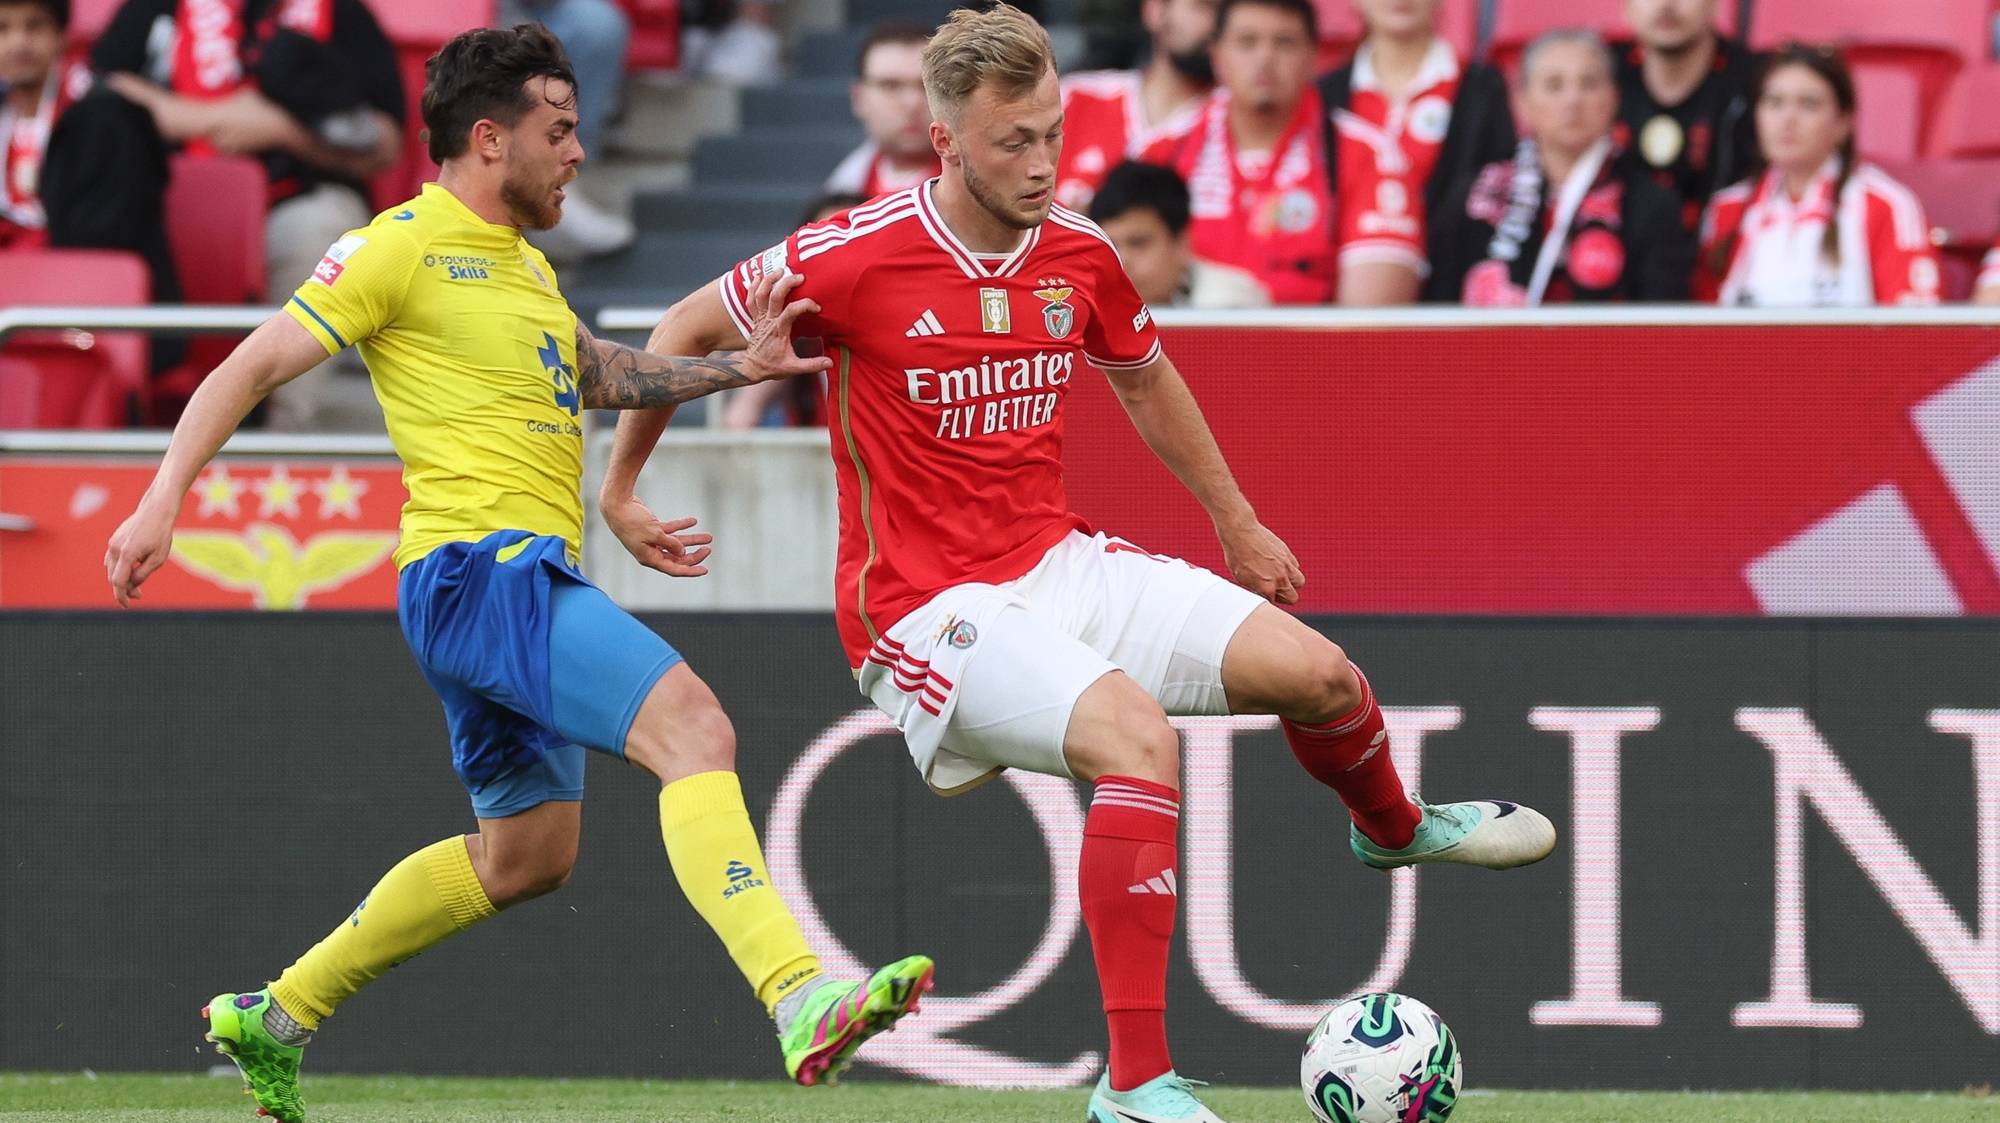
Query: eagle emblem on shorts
column 1057, row 315
column 963, row 635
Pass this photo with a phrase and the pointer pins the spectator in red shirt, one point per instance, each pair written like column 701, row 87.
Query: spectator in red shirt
column 1820, row 228
column 1254, row 158
column 1411, row 119
column 80, row 167
column 1568, row 219
column 888, row 99
column 1110, row 115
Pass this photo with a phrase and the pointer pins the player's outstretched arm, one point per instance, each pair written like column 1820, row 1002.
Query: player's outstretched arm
column 697, row 325
column 273, row 355
column 1165, row 414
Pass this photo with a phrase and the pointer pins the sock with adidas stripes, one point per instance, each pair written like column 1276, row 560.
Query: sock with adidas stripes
column 1128, row 888
column 1350, row 754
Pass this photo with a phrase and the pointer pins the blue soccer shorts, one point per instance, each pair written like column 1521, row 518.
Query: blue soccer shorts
column 533, row 662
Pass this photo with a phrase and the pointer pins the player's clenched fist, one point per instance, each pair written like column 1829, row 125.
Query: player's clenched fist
column 138, row 547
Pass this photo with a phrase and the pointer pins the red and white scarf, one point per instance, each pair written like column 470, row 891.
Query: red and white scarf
column 24, row 141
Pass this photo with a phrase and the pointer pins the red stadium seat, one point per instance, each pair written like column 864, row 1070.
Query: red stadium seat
column 88, row 19
column 80, row 379
column 1930, row 40
column 215, row 222
column 656, row 34
column 418, row 30
column 1517, row 22
column 1962, row 201
column 1890, row 117
column 1970, row 126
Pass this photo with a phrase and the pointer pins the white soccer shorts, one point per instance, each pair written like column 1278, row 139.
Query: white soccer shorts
column 984, row 677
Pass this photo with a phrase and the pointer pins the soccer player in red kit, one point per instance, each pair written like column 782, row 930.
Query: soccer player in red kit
column 1109, row 115
column 976, row 609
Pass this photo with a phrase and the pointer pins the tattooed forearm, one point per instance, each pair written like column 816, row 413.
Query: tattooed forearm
column 612, row 376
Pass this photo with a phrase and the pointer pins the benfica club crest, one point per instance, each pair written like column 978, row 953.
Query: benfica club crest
column 1057, row 315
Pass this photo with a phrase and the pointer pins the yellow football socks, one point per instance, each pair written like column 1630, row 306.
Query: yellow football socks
column 421, row 900
column 720, row 866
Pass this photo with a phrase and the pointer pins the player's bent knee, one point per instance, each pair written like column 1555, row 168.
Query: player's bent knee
column 696, row 738
column 1331, row 686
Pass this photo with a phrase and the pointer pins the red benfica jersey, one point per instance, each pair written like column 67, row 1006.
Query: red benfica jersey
column 1388, row 149
column 1104, row 122
column 1270, row 214
column 945, row 398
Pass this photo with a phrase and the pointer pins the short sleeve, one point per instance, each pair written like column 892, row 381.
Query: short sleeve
column 811, row 252
column 357, row 288
column 1905, row 263
column 1121, row 334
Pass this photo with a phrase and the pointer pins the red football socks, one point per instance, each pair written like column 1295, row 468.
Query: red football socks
column 1128, row 887
column 1350, row 754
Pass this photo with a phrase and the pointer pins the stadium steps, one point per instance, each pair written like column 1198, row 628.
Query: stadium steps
column 800, row 101
column 754, row 164
column 710, row 207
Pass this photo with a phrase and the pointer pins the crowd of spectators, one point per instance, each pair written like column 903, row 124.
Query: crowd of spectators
column 1674, row 165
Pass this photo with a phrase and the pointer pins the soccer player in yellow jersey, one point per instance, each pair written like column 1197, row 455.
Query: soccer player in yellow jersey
column 482, row 370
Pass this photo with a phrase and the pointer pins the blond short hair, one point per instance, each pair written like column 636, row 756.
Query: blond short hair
column 1003, row 47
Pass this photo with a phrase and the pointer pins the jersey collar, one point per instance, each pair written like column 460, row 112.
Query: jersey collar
column 971, row 264
column 1440, row 65
column 436, row 193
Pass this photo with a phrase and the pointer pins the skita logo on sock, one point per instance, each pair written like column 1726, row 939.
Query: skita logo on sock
column 795, row 978
column 741, row 877
column 354, row 918
column 1162, row 884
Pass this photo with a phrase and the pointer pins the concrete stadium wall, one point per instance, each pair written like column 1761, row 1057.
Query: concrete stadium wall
column 1781, row 860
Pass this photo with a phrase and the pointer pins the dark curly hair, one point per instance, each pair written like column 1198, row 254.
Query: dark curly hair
column 483, row 75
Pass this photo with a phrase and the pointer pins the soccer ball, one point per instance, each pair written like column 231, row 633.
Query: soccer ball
column 1381, row 1058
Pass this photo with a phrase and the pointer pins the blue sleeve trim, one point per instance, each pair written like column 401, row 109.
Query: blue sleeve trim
column 321, row 321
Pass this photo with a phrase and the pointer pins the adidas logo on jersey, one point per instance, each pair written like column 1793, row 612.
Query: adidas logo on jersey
column 927, row 324
column 1163, row 885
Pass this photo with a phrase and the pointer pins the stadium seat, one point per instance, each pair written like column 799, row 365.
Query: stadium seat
column 1970, row 126
column 418, row 30
column 1890, row 120
column 215, row 223
column 87, row 21
column 1930, row 41
column 1517, row 22
column 656, row 34
column 81, row 379
column 1340, row 30
column 1962, row 201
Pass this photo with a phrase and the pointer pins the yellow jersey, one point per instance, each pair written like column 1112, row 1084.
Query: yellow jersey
column 472, row 352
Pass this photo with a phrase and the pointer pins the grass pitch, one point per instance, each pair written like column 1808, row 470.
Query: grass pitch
column 84, row 1098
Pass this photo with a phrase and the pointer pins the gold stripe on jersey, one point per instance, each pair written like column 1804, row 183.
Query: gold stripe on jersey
column 867, row 487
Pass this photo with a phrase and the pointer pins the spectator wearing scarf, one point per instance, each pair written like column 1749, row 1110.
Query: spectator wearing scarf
column 1569, row 218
